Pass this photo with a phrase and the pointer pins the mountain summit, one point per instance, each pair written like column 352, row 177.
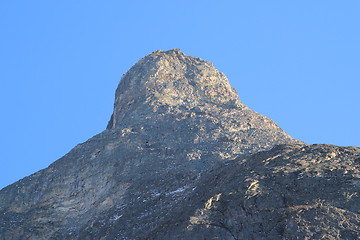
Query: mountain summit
column 192, row 100
column 183, row 158
column 171, row 81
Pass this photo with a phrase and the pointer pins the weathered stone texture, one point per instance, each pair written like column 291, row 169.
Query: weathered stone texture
column 183, row 158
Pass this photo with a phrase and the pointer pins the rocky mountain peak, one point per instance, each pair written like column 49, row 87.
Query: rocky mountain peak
column 170, row 79
column 183, row 158
column 177, row 100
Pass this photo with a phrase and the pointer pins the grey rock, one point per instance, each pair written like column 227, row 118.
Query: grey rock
column 183, row 158
column 289, row 192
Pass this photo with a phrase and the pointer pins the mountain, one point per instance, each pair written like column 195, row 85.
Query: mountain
column 183, row 158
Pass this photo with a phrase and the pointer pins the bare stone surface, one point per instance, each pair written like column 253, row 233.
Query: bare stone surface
column 289, row 192
column 183, row 158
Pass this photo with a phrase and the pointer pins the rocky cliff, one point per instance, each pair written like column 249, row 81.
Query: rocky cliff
column 183, row 158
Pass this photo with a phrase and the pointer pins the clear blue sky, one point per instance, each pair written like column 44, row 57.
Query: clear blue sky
column 297, row 62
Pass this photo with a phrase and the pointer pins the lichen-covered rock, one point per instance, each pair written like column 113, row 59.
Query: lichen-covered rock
column 183, row 158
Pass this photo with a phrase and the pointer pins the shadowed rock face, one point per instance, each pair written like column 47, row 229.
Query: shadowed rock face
column 183, row 158
column 289, row 192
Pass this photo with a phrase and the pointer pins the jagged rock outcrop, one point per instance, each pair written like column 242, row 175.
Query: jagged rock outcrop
column 183, row 158
column 289, row 192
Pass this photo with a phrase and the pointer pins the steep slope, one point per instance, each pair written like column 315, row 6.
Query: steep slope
column 177, row 125
column 288, row 192
column 172, row 89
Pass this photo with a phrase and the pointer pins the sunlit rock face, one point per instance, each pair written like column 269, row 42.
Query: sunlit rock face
column 183, row 158
column 173, row 82
column 192, row 98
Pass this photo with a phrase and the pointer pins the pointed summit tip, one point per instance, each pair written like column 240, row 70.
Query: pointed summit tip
column 168, row 54
column 171, row 51
column 175, row 52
